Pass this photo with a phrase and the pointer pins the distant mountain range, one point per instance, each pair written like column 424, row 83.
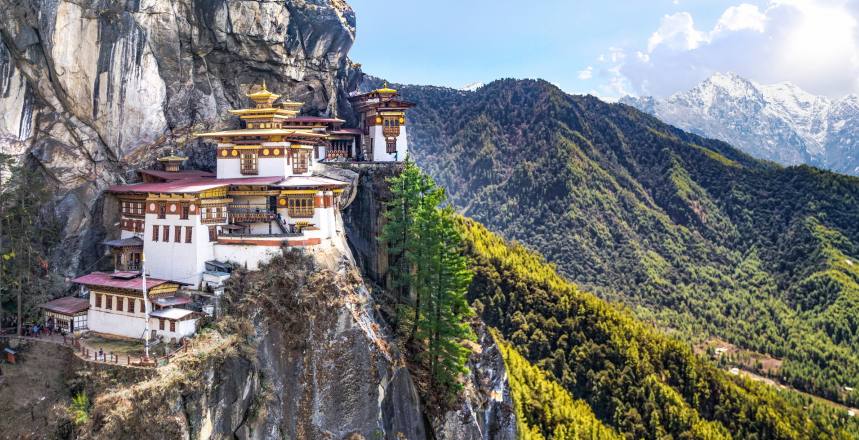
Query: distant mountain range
column 778, row 122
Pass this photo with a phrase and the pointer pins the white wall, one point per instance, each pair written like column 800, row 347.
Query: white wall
column 272, row 166
column 116, row 322
column 182, row 262
column 230, row 168
column 184, row 329
column 250, row 255
column 380, row 148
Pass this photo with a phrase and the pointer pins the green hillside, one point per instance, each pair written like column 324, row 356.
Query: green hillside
column 632, row 379
column 690, row 233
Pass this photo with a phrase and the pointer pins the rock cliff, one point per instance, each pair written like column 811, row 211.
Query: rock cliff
column 91, row 90
column 303, row 354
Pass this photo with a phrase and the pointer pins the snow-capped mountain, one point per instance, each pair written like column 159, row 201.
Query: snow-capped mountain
column 779, row 122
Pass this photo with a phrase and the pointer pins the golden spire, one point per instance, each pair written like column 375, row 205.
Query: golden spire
column 262, row 97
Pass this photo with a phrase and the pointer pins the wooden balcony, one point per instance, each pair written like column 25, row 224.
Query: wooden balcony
column 303, row 212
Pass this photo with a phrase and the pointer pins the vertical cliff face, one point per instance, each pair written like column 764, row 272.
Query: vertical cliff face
column 484, row 410
column 93, row 89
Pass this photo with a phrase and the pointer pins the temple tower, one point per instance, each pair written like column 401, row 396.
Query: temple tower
column 383, row 121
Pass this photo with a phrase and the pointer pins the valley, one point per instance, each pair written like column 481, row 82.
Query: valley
column 689, row 233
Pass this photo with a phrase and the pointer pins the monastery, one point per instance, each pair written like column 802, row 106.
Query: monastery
column 182, row 230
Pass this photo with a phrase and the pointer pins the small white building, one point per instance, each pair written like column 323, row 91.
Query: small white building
column 172, row 324
column 117, row 306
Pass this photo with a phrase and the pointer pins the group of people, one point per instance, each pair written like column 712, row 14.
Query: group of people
column 48, row 329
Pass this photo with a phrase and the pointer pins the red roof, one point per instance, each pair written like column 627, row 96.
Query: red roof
column 347, row 131
column 313, row 119
column 69, row 305
column 192, row 185
column 176, row 175
column 102, row 279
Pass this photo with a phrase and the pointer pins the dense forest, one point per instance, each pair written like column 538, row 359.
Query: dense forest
column 623, row 377
column 689, row 233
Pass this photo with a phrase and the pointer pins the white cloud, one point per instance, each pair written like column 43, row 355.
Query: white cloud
column 586, row 74
column 676, row 31
column 737, row 18
column 813, row 43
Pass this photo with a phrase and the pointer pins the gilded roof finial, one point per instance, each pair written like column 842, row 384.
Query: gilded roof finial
column 263, row 85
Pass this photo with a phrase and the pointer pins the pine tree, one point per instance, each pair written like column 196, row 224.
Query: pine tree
column 443, row 319
column 429, row 270
column 28, row 232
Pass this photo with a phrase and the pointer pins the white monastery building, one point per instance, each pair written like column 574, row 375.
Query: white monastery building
column 262, row 197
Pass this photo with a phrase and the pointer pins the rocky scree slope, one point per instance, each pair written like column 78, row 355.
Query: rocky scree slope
column 778, row 122
column 91, row 91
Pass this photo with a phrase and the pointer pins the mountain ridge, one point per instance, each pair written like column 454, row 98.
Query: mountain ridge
column 691, row 233
column 779, row 122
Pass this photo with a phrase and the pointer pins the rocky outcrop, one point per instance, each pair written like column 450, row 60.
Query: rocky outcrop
column 486, row 412
column 90, row 90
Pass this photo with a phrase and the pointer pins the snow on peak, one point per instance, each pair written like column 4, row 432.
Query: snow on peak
column 472, row 86
column 780, row 122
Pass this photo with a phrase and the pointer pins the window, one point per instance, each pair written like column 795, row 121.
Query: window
column 130, row 305
column 188, row 231
column 213, row 233
column 162, row 210
column 160, row 323
column 249, row 162
column 119, row 301
column 98, row 300
column 177, row 234
column 300, row 161
column 142, row 307
column 183, row 213
column 300, row 207
column 108, row 302
column 165, row 234
column 391, row 145
column 172, row 326
column 154, row 232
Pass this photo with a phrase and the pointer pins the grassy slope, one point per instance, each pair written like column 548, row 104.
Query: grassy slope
column 635, row 380
column 689, row 232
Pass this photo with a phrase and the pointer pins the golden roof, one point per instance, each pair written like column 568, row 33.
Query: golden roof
column 385, row 90
column 171, row 158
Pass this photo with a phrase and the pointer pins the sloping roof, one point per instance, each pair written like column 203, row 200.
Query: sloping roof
column 262, row 132
column 68, row 305
column 266, row 180
column 170, row 301
column 176, row 175
column 313, row 119
column 171, row 313
column 103, row 279
column 311, row 181
column 193, row 185
column 125, row 242
column 347, row 131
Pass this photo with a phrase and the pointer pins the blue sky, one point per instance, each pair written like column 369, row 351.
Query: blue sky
column 636, row 47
